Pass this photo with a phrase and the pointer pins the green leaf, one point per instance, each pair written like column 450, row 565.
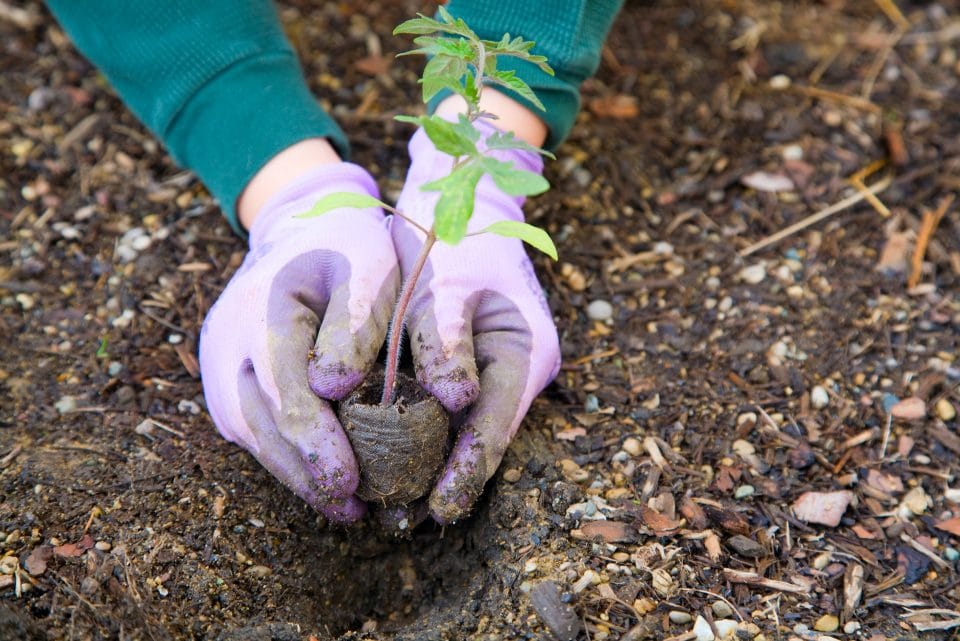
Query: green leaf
column 470, row 91
column 455, row 25
column 434, row 45
column 508, row 78
column 517, row 48
column 455, row 205
column 448, row 137
column 466, row 128
column 533, row 236
column 102, row 350
column 515, row 182
column 341, row 199
column 419, row 25
column 442, row 72
column 506, row 140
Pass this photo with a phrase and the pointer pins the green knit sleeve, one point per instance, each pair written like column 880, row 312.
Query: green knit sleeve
column 217, row 81
column 570, row 33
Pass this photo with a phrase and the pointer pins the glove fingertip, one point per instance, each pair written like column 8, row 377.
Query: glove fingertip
column 344, row 511
column 332, row 380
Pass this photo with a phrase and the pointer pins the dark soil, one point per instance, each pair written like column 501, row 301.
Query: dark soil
column 400, row 448
column 661, row 467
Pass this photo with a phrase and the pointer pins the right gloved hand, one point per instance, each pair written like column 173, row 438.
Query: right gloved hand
column 267, row 369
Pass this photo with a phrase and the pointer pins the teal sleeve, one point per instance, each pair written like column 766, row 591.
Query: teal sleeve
column 216, row 81
column 570, row 33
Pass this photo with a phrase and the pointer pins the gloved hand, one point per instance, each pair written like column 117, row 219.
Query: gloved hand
column 480, row 330
column 266, row 369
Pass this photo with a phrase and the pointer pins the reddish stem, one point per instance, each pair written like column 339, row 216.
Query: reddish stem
column 396, row 324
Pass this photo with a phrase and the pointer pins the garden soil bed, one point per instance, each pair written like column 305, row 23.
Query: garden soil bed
column 666, row 484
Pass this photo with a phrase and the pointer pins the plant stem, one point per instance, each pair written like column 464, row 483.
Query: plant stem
column 396, row 324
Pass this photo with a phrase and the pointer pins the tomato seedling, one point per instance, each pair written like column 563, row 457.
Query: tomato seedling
column 461, row 62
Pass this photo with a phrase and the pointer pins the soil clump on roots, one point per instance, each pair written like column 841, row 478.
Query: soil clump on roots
column 400, row 448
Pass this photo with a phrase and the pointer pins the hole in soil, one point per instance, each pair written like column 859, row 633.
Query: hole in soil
column 412, row 589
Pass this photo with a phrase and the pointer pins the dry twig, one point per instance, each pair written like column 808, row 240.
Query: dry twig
column 927, row 226
column 813, row 219
column 751, row 578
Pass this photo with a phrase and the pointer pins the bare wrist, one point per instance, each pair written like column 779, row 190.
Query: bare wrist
column 511, row 115
column 293, row 161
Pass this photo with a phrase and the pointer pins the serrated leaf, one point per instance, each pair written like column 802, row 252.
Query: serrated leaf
column 466, row 128
column 341, row 199
column 421, row 25
column 455, row 205
column 506, row 140
column 442, row 72
column 533, row 236
column 447, row 137
column 471, row 93
column 433, row 45
column 515, row 182
column 508, row 78
column 517, row 48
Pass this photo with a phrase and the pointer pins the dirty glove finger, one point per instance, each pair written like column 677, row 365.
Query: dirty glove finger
column 260, row 338
column 517, row 353
column 439, row 324
column 353, row 330
column 284, row 461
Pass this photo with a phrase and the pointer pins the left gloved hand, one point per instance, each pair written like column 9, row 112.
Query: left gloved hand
column 480, row 330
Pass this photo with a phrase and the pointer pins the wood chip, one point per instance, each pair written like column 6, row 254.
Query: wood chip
column 950, row 525
column 825, row 508
column 656, row 521
column 750, row 578
column 188, row 359
column 609, row 531
column 71, row 550
column 620, row 107
column 559, row 617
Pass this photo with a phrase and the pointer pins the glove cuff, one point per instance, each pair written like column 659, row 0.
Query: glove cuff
column 278, row 215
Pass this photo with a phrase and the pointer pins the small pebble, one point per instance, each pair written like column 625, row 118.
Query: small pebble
column 530, row 566
column 600, row 310
column 680, row 617
column 851, row 627
column 702, row 630
column 951, row 554
column 780, row 81
column 632, row 446
column 114, row 368
column 792, row 152
column 103, row 546
column 512, row 475
column 721, row 609
column 26, row 301
column 945, row 410
column 66, row 404
column 140, row 243
column 726, row 628
column 753, row 274
column 591, row 404
column 827, row 623
column 909, row 409
column 587, row 579
column 258, row 571
column 819, row 397
column 744, row 491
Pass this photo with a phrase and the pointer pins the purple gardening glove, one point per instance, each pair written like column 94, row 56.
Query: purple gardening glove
column 481, row 332
column 302, row 320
